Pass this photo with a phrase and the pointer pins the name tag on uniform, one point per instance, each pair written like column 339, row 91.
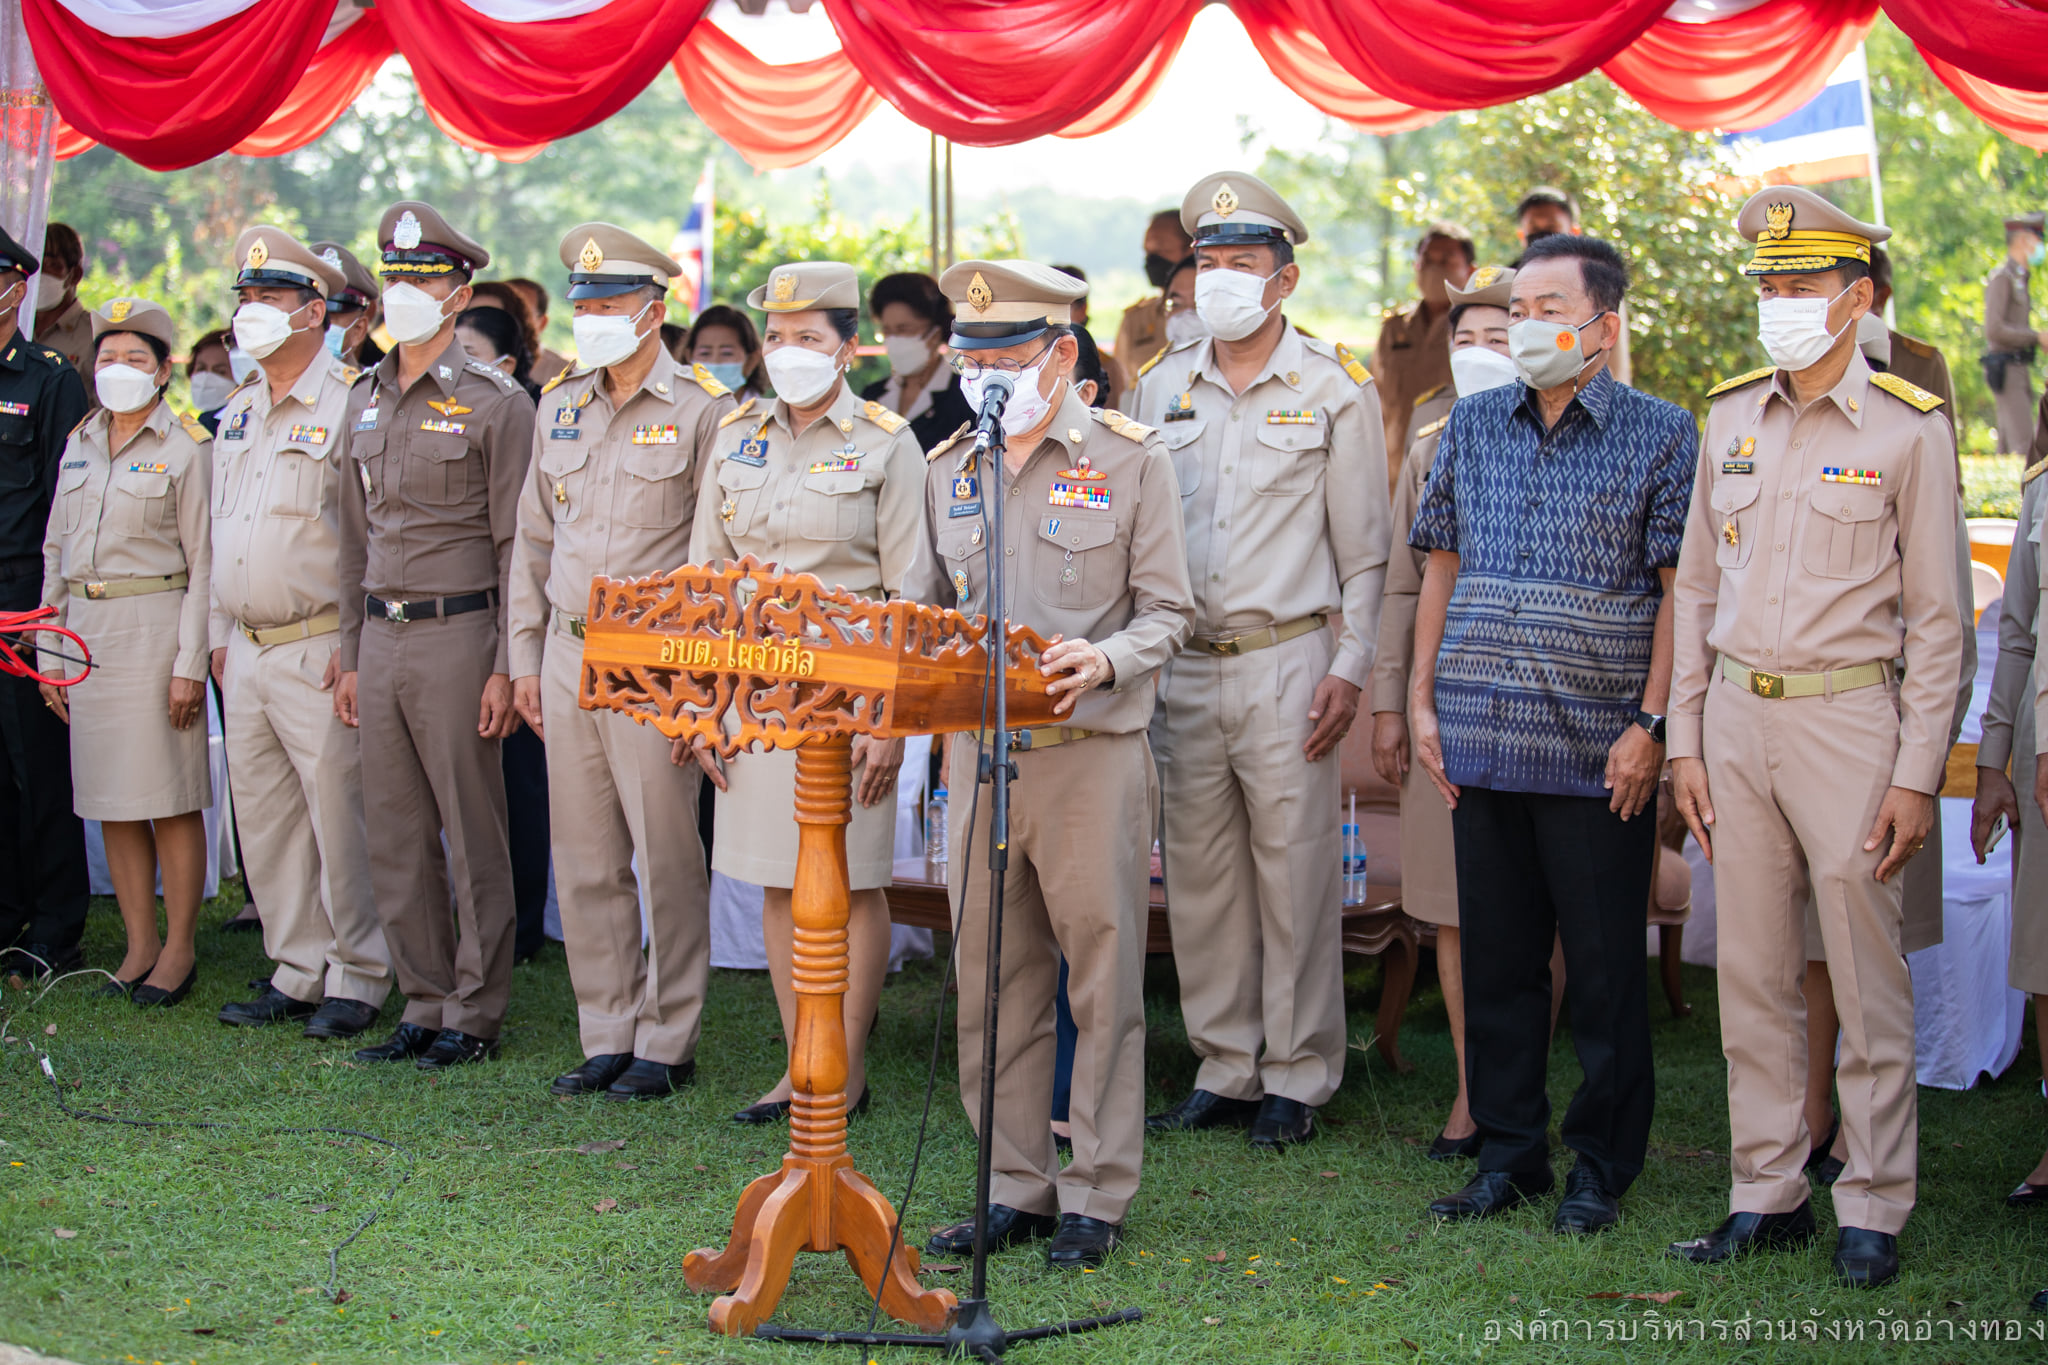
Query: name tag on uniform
column 368, row 420
column 964, row 509
column 838, row 466
column 76, row 464
column 236, row 427
column 1868, row 477
column 654, row 435
column 311, row 435
column 1181, row 409
column 1291, row 417
column 565, row 434
column 1066, row 494
column 443, row 427
column 14, row 410
column 1738, row 467
column 749, row 454
column 149, row 467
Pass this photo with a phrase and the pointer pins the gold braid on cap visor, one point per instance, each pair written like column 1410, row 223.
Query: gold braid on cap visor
column 1807, row 250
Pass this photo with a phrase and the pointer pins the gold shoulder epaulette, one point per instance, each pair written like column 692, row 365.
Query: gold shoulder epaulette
column 1122, row 425
column 708, row 381
column 741, row 411
column 1906, row 392
column 1146, row 368
column 568, row 372
column 947, row 444
column 1728, row 385
column 1359, row 374
column 883, row 418
column 195, row 428
column 1422, row 398
column 243, row 385
column 2033, row 471
column 1433, row 428
column 90, row 413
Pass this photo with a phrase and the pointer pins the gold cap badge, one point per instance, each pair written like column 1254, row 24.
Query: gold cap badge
column 1482, row 277
column 592, row 256
column 784, row 287
column 1778, row 218
column 1225, row 202
column 332, row 257
column 117, row 311
column 258, row 254
column 979, row 294
column 405, row 234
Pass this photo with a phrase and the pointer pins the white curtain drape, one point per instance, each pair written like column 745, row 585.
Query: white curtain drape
column 28, row 135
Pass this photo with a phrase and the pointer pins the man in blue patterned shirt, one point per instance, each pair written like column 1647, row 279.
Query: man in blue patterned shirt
column 1553, row 518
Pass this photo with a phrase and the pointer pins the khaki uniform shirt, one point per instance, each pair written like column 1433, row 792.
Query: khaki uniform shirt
column 2013, row 684
column 612, row 490
column 1283, row 488
column 842, row 501
column 1142, row 332
column 1793, row 564
column 136, row 512
column 71, row 336
column 277, row 472
column 1096, row 559
column 2007, row 324
column 1412, row 357
column 430, row 499
column 1922, row 363
column 1395, row 655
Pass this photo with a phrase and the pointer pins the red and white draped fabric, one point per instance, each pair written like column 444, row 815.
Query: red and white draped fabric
column 28, row 126
column 172, row 82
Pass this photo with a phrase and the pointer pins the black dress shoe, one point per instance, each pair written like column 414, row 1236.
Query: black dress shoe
column 243, row 924
column 1282, row 1123
column 1082, row 1241
column 1493, row 1192
column 338, row 1017
column 116, row 989
column 766, row 1112
column 1454, row 1149
column 1866, row 1259
column 456, row 1048
column 1202, row 1109
column 408, row 1042
column 593, row 1076
column 1818, row 1155
column 1748, row 1232
column 271, row 1007
column 2039, row 1303
column 1587, row 1206
column 2027, row 1196
column 1006, row 1228
column 1829, row 1171
column 42, row 959
column 645, row 1080
column 156, row 997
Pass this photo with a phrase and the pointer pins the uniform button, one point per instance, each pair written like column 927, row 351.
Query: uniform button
column 1014, row 492
column 1215, row 578
column 778, row 507
column 1845, row 511
column 1785, row 495
column 1235, row 415
column 1767, row 653
column 1774, row 601
column 1223, row 523
column 1797, row 444
column 1009, row 549
column 1226, row 469
column 1781, row 545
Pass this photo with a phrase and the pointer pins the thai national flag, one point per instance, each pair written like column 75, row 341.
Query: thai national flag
column 1828, row 138
column 692, row 245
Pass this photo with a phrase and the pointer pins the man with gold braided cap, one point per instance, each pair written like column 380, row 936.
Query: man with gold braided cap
column 1820, row 548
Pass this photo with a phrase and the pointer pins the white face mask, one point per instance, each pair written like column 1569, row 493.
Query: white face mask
column 11, row 296
column 801, row 376
column 49, row 290
column 123, row 388
column 260, row 329
column 1184, row 325
column 1475, row 369
column 1026, row 407
column 606, row 338
column 1230, row 302
column 411, row 314
column 210, row 390
column 1547, row 354
column 1795, row 332
column 908, row 355
column 242, row 365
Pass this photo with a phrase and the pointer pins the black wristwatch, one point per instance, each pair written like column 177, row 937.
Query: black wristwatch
column 1653, row 724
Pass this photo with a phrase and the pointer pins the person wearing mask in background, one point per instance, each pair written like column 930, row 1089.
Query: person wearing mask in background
column 2010, row 341
column 42, row 842
column 546, row 363
column 1480, row 360
column 438, row 448
column 722, row 339
column 208, row 377
column 1887, row 349
column 125, row 565
column 922, row 388
column 294, row 769
column 352, row 309
column 1141, row 333
column 1286, row 524
column 1411, row 361
column 619, row 454
column 497, row 338
column 1114, row 386
column 1819, row 549
column 1546, row 210
column 62, row 322
column 1184, row 323
column 818, row 482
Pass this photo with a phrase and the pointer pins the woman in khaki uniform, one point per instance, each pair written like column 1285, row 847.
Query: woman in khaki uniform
column 819, row 482
column 125, row 565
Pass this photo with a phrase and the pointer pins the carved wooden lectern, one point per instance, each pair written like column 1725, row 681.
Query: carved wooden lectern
column 743, row 655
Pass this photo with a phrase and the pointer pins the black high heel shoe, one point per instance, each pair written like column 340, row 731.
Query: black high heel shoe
column 775, row 1111
column 156, row 997
column 115, row 988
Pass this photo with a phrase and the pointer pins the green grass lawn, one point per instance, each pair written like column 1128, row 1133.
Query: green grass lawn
column 212, row 1245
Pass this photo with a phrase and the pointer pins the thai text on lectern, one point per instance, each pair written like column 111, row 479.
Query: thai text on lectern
column 743, row 655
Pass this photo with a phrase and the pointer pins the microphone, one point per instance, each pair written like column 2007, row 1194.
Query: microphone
column 996, row 388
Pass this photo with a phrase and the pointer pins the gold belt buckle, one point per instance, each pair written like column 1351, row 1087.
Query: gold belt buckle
column 96, row 591
column 1766, row 684
column 250, row 632
column 577, row 626
column 1228, row 646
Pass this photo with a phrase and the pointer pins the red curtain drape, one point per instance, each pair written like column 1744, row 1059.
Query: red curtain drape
column 1305, row 66
column 332, row 80
column 771, row 115
column 991, row 72
column 168, row 103
column 1744, row 71
column 2000, row 41
column 2021, row 115
column 1138, row 88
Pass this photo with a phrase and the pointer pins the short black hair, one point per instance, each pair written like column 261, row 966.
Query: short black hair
column 916, row 291
column 156, row 344
column 219, row 336
column 62, row 242
column 845, row 321
column 1449, row 231
column 1168, row 218
column 1547, row 194
column 1458, row 310
column 538, row 290
column 1088, row 364
column 1880, row 268
column 505, row 332
column 1601, row 268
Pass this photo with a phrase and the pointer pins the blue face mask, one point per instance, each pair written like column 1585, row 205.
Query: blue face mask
column 336, row 336
column 732, row 374
column 2039, row 253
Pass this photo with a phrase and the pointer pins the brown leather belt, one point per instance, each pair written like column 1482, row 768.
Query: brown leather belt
column 1263, row 638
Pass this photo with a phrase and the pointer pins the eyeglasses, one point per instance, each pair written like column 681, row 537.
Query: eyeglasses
column 974, row 369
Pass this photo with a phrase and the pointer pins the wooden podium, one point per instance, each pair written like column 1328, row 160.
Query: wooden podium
column 744, row 655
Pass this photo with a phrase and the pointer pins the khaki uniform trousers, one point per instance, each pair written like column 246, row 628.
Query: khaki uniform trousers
column 612, row 793
column 1254, row 877
column 1796, row 783
column 425, row 774
column 1078, row 884
column 2027, row 964
column 297, row 778
column 2015, row 407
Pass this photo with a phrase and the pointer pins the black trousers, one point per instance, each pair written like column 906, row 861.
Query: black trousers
column 42, row 842
column 525, row 760
column 1531, row 866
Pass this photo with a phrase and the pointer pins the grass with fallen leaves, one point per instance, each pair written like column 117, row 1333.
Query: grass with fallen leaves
column 526, row 1228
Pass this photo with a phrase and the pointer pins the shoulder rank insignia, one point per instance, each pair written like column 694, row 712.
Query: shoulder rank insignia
column 549, row 387
column 1422, row 398
column 1359, row 374
column 947, row 444
column 741, row 411
column 1433, row 428
column 1906, row 392
column 1740, row 381
column 883, row 418
column 2033, row 472
column 194, row 428
column 1159, row 356
column 708, row 382
column 1122, row 425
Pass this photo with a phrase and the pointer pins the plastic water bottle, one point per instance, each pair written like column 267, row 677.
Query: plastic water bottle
column 1354, row 858
column 935, row 828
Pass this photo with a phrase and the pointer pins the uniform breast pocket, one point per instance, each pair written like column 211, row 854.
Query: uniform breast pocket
column 740, row 485
column 1287, row 461
column 17, row 434
column 960, row 546
column 829, row 505
column 1184, row 441
column 1077, row 564
column 138, row 504
column 71, row 499
column 1844, row 531
column 298, row 484
column 439, row 473
column 563, row 464
column 656, row 488
column 1734, row 504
